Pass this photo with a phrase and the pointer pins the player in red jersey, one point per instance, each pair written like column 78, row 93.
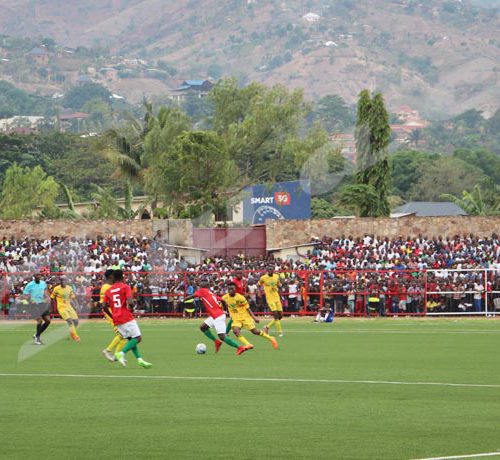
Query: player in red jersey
column 216, row 318
column 239, row 283
column 117, row 301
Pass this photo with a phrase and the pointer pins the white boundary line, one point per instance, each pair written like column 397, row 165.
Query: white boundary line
column 251, row 379
column 488, row 454
column 297, row 331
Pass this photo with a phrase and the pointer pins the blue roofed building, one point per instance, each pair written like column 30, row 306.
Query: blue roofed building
column 197, row 88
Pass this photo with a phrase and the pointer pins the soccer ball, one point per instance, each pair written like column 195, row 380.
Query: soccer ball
column 201, row 349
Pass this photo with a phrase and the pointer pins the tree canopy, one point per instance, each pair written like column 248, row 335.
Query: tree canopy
column 25, row 189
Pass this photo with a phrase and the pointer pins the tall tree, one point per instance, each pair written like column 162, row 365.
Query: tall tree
column 334, row 114
column 196, row 172
column 163, row 131
column 262, row 129
column 373, row 135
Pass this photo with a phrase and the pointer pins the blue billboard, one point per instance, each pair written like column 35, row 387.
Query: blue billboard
column 283, row 200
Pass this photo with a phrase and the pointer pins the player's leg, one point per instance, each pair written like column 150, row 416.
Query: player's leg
column 237, row 332
column 220, row 327
column 65, row 316
column 278, row 318
column 42, row 323
column 39, row 325
column 74, row 322
column 131, row 330
column 115, row 345
column 46, row 322
column 72, row 330
column 112, row 348
column 270, row 304
column 266, row 336
column 229, row 325
column 205, row 328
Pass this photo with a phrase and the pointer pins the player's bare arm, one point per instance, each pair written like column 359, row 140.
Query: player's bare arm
column 252, row 314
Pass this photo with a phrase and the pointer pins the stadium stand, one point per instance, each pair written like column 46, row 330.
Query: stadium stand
column 354, row 276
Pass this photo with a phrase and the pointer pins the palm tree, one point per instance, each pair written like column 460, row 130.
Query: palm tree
column 473, row 203
column 415, row 137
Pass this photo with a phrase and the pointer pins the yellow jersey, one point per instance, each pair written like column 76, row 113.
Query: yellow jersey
column 237, row 306
column 104, row 288
column 102, row 293
column 63, row 296
column 270, row 284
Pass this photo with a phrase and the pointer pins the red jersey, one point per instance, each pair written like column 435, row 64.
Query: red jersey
column 210, row 302
column 116, row 297
column 240, row 287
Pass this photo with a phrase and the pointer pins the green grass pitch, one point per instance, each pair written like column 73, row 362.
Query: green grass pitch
column 355, row 389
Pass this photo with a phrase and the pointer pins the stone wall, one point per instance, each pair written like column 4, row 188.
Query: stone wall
column 178, row 232
column 181, row 231
column 287, row 233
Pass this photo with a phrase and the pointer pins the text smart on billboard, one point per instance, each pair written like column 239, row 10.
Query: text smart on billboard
column 282, row 200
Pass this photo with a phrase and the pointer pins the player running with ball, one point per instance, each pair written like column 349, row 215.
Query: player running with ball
column 117, row 300
column 216, row 318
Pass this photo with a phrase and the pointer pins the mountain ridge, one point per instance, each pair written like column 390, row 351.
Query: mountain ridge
column 441, row 56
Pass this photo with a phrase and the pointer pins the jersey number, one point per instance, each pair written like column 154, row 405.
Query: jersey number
column 117, row 301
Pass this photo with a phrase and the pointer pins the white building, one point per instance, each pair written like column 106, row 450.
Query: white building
column 311, row 17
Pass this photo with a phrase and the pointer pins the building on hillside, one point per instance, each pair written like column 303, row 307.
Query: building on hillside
column 72, row 122
column 311, row 17
column 430, row 209
column 83, row 79
column 134, row 63
column 39, row 55
column 347, row 144
column 21, row 124
column 410, row 121
column 197, row 88
column 109, row 73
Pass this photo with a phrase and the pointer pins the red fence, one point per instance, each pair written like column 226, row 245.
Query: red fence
column 304, row 292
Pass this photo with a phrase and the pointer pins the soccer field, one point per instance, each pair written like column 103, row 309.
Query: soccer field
column 355, row 389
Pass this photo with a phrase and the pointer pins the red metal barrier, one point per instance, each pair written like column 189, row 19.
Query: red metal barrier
column 347, row 292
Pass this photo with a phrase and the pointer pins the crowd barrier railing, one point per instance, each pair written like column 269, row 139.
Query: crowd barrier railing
column 357, row 293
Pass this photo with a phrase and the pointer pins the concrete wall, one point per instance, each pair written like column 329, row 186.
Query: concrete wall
column 286, row 233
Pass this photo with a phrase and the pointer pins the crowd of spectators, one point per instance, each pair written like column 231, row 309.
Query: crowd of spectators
column 355, row 276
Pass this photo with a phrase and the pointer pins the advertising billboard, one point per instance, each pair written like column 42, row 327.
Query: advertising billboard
column 283, row 200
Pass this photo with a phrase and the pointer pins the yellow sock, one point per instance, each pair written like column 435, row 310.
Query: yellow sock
column 121, row 344
column 243, row 340
column 114, row 343
column 271, row 324
column 278, row 326
column 72, row 330
column 266, row 336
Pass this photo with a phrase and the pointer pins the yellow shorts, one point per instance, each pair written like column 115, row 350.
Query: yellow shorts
column 67, row 313
column 274, row 303
column 244, row 323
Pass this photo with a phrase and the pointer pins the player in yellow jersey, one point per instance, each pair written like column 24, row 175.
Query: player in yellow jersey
column 63, row 294
column 271, row 283
column 243, row 317
column 118, row 341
